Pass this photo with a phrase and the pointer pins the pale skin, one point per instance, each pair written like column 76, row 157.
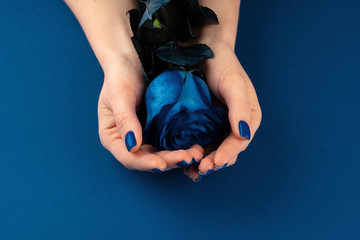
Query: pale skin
column 107, row 28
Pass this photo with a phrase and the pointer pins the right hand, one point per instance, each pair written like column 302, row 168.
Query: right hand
column 119, row 99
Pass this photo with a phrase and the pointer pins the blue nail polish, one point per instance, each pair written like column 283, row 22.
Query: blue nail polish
column 198, row 180
column 195, row 162
column 244, row 130
column 185, row 164
column 157, row 170
column 208, row 172
column 130, row 140
column 220, row 168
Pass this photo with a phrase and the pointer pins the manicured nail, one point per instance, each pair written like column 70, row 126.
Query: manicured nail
column 130, row 140
column 185, row 164
column 220, row 168
column 208, row 172
column 244, row 130
column 198, row 180
column 157, row 170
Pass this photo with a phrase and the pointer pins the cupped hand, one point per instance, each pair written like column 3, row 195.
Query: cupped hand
column 120, row 130
column 230, row 84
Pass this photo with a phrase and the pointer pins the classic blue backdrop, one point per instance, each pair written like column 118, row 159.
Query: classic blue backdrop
column 299, row 179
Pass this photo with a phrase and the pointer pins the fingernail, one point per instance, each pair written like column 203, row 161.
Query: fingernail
column 197, row 180
column 244, row 129
column 195, row 162
column 220, row 168
column 130, row 140
column 185, row 164
column 157, row 170
column 208, row 172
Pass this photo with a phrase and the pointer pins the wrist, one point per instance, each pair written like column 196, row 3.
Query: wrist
column 122, row 66
column 225, row 32
column 112, row 60
column 213, row 35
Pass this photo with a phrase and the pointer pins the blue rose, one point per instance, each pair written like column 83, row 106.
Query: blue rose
column 180, row 113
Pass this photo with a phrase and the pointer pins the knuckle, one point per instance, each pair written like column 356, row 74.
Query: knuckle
column 219, row 162
column 209, row 165
column 121, row 120
column 156, row 163
column 242, row 108
column 198, row 148
column 245, row 105
column 183, row 154
column 197, row 154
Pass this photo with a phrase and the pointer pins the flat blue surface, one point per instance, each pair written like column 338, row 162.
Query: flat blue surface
column 298, row 180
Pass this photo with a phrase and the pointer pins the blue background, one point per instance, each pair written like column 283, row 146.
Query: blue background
column 299, row 179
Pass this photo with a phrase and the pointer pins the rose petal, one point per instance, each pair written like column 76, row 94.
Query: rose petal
column 195, row 94
column 164, row 90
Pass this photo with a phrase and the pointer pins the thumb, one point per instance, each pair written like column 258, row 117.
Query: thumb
column 234, row 92
column 127, row 122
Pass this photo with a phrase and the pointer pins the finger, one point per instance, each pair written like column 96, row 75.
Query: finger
column 176, row 158
column 256, row 114
column 212, row 147
column 123, row 106
column 139, row 160
column 193, row 173
column 207, row 165
column 197, row 152
column 229, row 150
column 111, row 140
column 179, row 158
column 232, row 145
column 186, row 171
column 234, row 90
column 232, row 162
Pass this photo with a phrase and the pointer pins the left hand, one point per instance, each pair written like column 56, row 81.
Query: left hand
column 119, row 98
column 229, row 83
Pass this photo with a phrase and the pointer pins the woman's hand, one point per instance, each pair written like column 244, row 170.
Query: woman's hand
column 120, row 129
column 107, row 28
column 229, row 83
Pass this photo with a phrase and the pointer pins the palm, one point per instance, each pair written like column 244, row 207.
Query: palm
column 230, row 84
column 118, row 101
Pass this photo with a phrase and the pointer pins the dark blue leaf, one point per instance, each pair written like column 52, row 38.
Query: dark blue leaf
column 199, row 15
column 209, row 15
column 154, row 37
column 174, row 18
column 151, row 7
column 183, row 56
